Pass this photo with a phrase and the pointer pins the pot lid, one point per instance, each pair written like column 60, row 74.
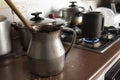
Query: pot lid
column 49, row 25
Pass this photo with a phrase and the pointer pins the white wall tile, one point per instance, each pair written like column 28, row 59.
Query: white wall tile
column 44, row 6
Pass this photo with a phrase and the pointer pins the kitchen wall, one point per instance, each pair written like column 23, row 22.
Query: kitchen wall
column 44, row 6
column 106, row 3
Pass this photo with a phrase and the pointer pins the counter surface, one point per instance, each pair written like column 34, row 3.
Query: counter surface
column 80, row 65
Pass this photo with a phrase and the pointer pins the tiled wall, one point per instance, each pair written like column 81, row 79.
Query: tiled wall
column 45, row 6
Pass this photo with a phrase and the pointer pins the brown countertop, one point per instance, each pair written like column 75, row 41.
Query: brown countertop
column 80, row 65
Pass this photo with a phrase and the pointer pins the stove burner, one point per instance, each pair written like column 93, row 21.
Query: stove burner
column 92, row 43
column 88, row 40
column 109, row 36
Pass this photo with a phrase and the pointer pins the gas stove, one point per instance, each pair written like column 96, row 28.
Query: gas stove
column 109, row 36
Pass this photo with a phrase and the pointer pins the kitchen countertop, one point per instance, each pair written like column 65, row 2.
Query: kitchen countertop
column 80, row 65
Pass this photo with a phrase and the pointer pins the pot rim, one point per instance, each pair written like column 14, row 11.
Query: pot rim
column 2, row 18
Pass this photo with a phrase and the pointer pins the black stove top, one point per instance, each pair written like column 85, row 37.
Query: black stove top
column 109, row 36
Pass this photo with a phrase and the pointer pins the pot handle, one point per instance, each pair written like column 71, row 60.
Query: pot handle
column 73, row 39
column 82, row 9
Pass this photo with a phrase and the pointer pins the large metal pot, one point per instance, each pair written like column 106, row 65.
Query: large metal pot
column 67, row 13
column 5, row 41
column 92, row 25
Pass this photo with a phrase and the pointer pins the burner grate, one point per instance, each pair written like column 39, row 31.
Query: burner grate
column 108, row 38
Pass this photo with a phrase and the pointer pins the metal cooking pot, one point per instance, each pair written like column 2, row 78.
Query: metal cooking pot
column 67, row 13
column 46, row 53
column 92, row 25
column 5, row 41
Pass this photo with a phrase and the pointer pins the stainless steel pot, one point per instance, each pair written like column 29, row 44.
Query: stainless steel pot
column 46, row 53
column 67, row 13
column 5, row 41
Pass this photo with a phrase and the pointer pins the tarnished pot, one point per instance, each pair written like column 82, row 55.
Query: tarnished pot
column 47, row 54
